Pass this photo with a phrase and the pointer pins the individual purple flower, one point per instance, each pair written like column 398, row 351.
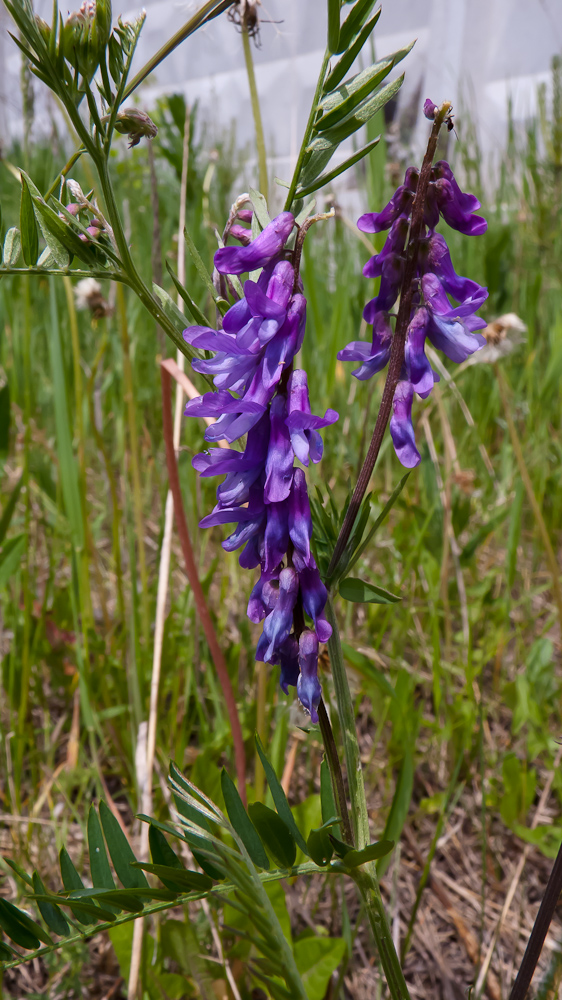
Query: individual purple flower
column 401, row 428
column 450, row 326
column 308, row 685
column 263, row 494
column 262, row 250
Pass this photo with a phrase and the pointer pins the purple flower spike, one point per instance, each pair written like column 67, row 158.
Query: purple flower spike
column 308, row 685
column 401, row 429
column 261, row 251
column 429, row 109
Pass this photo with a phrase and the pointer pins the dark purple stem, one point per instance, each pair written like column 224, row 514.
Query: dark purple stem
column 398, row 342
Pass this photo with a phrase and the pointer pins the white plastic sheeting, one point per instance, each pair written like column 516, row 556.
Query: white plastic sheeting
column 475, row 52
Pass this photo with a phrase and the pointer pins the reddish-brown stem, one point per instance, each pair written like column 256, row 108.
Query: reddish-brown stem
column 396, row 360
column 193, row 577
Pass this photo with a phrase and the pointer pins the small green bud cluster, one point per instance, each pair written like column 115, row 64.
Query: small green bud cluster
column 85, row 35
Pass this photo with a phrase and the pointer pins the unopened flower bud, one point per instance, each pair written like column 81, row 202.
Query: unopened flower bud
column 76, row 191
column 135, row 124
column 44, row 28
column 430, row 109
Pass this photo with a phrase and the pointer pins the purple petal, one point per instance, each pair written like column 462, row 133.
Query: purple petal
column 429, row 109
column 454, row 214
column 469, row 293
column 289, row 663
column 401, row 429
column 400, row 204
column 314, row 597
column 276, row 536
column 279, row 462
column 279, row 622
column 420, row 372
column 300, row 520
column 266, row 246
column 308, row 685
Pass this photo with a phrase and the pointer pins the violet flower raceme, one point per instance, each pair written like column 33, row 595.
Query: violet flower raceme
column 450, row 328
column 262, row 396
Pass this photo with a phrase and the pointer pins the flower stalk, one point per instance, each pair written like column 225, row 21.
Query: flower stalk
column 396, row 360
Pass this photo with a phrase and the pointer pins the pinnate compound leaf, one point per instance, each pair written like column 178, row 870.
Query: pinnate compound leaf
column 12, row 247
column 28, row 226
column 51, row 913
column 372, row 852
column 333, row 136
column 359, row 592
column 120, row 851
column 317, row 959
column 274, row 834
column 242, row 822
column 279, row 797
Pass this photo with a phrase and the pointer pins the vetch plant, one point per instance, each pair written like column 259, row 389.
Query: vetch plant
column 257, row 397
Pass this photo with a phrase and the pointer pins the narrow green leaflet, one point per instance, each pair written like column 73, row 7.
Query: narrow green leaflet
column 360, row 592
column 178, row 879
column 72, row 881
column 274, row 833
column 28, row 226
column 334, row 25
column 330, row 175
column 379, row 520
column 354, row 22
column 279, row 797
column 327, row 801
column 242, row 822
column 17, row 926
column 120, row 851
column 348, row 96
column 350, row 55
column 320, row 847
column 99, row 862
column 12, row 247
column 51, row 913
column 18, row 870
column 337, row 133
column 259, row 205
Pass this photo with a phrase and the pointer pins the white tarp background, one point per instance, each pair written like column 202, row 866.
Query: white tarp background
column 475, row 52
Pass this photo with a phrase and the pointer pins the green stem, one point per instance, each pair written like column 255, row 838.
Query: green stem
column 256, row 111
column 307, row 131
column 56, row 271
column 368, row 886
column 367, row 881
column 359, row 815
